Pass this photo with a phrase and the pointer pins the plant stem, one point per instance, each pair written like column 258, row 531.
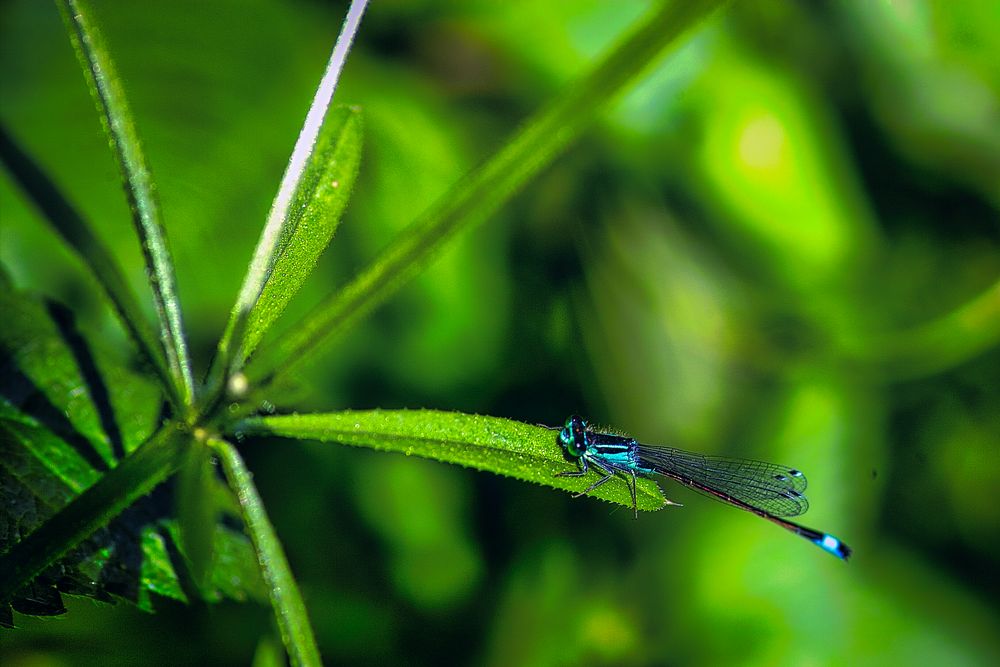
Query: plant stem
column 134, row 477
column 286, row 600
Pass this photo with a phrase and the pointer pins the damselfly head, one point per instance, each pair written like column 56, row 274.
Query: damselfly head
column 573, row 436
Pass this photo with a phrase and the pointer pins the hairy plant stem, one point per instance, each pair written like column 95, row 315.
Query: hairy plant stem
column 286, row 600
column 138, row 183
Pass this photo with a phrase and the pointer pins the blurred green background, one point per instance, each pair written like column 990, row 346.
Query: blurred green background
column 784, row 243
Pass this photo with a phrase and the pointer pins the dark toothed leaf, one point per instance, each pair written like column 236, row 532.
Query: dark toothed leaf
column 68, row 415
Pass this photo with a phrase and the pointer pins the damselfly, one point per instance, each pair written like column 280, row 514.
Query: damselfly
column 770, row 491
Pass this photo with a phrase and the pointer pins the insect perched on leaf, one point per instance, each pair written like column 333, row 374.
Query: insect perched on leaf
column 770, row 491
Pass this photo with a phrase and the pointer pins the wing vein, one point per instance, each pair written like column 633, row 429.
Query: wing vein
column 772, row 488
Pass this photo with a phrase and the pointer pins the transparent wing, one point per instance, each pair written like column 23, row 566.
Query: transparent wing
column 775, row 489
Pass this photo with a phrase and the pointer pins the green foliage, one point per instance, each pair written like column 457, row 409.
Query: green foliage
column 505, row 447
column 69, row 415
column 120, row 128
column 78, row 234
column 303, row 219
column 197, row 512
column 290, row 610
column 780, row 245
column 318, row 198
column 484, row 190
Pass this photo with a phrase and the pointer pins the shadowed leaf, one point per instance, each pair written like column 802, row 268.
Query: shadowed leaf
column 54, row 445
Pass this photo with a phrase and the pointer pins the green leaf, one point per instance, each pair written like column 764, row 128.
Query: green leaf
column 310, row 221
column 117, row 120
column 133, row 557
column 70, row 525
column 486, row 189
column 79, row 235
column 501, row 446
column 289, row 609
column 268, row 653
column 71, row 423
column 304, row 215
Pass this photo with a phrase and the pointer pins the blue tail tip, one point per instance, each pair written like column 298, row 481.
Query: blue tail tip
column 833, row 545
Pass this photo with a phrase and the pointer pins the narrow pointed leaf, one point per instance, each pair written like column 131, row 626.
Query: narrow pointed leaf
column 501, row 446
column 313, row 215
column 120, row 128
column 487, row 188
column 313, row 192
column 289, row 609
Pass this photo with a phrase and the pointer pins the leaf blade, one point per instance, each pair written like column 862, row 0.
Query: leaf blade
column 293, row 189
column 116, row 118
column 98, row 504
column 502, row 446
column 62, row 428
column 318, row 202
column 197, row 513
column 286, row 600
